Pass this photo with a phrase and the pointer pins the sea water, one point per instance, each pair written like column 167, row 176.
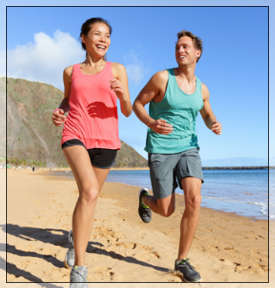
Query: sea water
column 244, row 192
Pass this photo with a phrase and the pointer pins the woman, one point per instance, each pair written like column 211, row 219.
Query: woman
column 90, row 138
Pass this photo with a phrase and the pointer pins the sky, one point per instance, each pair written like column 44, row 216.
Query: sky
column 42, row 41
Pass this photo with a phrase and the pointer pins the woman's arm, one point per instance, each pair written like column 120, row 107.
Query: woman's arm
column 120, row 86
column 58, row 116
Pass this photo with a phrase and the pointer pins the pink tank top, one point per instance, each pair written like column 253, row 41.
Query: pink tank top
column 93, row 115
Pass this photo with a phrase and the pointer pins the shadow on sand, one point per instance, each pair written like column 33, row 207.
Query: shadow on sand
column 57, row 237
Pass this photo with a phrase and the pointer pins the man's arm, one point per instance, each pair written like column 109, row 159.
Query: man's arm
column 152, row 91
column 207, row 113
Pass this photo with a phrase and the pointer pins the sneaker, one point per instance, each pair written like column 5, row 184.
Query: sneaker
column 70, row 256
column 144, row 211
column 186, row 271
column 78, row 277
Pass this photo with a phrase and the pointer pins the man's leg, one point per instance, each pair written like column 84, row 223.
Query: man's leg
column 164, row 206
column 189, row 222
column 162, row 176
column 190, row 218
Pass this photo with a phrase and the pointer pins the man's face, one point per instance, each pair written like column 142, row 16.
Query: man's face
column 186, row 53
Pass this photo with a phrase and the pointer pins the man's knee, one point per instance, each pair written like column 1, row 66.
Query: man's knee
column 167, row 211
column 193, row 203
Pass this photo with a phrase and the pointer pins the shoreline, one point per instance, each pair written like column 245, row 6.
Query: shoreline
column 207, row 204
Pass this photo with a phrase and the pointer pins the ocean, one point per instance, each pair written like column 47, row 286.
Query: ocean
column 244, row 192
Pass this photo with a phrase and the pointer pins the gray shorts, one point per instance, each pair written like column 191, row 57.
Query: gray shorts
column 167, row 170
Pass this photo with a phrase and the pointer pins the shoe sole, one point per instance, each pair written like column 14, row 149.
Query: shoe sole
column 67, row 265
column 177, row 273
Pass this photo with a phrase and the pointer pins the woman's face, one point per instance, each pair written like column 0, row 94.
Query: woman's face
column 98, row 40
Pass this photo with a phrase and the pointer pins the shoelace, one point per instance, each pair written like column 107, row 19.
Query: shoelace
column 186, row 262
column 81, row 276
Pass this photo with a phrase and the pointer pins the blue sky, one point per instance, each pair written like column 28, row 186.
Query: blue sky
column 42, row 41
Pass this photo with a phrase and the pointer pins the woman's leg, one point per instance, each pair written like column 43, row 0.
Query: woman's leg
column 101, row 175
column 89, row 181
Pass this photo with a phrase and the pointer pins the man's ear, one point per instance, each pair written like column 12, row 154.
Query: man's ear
column 198, row 53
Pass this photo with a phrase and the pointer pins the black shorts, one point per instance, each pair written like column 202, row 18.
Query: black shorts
column 100, row 157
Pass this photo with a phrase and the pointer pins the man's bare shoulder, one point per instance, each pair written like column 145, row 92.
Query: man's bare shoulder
column 161, row 75
column 160, row 78
column 204, row 91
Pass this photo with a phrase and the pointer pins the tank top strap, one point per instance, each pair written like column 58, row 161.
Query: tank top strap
column 173, row 81
column 171, row 78
column 107, row 72
column 76, row 69
column 198, row 84
column 108, row 67
column 170, row 73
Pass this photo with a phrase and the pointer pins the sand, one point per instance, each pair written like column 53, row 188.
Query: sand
column 226, row 248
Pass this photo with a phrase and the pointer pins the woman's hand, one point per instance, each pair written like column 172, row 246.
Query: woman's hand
column 58, row 117
column 119, row 84
column 116, row 86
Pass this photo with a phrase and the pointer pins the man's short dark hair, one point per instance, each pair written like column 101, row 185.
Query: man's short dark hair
column 196, row 40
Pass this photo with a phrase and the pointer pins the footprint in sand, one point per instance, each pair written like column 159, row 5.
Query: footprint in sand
column 237, row 266
column 150, row 250
column 112, row 274
column 228, row 248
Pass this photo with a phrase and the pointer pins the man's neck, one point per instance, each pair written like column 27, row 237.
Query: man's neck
column 187, row 72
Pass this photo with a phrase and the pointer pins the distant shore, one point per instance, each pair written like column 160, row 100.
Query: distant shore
column 236, row 167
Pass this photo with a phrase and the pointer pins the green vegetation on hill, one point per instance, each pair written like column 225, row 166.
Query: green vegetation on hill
column 32, row 138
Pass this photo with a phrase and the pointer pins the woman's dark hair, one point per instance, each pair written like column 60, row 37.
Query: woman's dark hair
column 87, row 25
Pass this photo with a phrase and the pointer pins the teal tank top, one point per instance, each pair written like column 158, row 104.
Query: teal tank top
column 180, row 110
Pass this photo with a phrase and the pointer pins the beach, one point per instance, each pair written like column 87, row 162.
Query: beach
column 226, row 248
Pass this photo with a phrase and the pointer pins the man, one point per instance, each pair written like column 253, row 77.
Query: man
column 176, row 96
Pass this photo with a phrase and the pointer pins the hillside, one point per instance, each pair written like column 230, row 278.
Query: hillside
column 32, row 138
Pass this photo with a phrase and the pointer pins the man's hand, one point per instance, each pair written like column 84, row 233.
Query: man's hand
column 161, row 126
column 217, row 128
column 58, row 117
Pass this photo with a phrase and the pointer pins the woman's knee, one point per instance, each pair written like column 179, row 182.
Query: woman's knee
column 89, row 195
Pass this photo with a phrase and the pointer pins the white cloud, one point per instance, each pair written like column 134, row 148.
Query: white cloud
column 135, row 72
column 135, row 68
column 45, row 58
